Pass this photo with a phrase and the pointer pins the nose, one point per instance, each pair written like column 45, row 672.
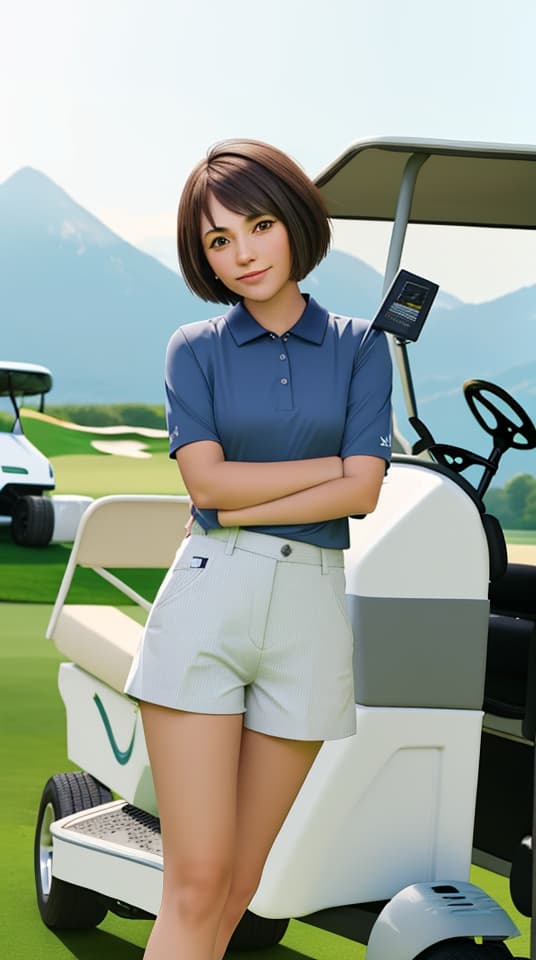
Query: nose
column 244, row 252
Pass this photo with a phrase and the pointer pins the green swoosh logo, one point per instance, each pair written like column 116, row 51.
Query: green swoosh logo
column 122, row 756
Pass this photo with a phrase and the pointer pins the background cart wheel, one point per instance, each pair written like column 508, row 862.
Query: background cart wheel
column 254, row 932
column 465, row 950
column 65, row 906
column 32, row 524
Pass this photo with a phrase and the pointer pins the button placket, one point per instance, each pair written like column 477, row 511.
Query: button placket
column 284, row 389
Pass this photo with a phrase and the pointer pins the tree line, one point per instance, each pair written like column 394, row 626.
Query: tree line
column 514, row 505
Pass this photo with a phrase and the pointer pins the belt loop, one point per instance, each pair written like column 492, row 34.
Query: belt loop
column 231, row 542
column 325, row 565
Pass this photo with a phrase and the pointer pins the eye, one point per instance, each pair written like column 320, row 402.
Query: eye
column 264, row 225
column 218, row 242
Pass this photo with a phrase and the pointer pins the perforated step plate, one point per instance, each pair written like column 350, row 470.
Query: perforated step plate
column 117, row 825
column 126, row 826
column 114, row 849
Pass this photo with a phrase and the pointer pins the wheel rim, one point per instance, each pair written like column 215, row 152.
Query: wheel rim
column 45, row 849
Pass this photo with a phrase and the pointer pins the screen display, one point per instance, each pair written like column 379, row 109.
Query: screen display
column 406, row 305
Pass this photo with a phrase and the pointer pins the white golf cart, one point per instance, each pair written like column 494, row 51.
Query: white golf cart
column 25, row 473
column 378, row 844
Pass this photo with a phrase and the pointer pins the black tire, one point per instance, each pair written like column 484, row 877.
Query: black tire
column 32, row 523
column 465, row 950
column 256, row 933
column 65, row 906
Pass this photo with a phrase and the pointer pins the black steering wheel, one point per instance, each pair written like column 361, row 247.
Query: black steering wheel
column 506, row 432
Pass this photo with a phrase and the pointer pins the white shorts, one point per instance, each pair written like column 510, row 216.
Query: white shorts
column 249, row 623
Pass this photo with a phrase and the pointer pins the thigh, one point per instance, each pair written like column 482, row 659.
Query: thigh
column 194, row 761
column 271, row 772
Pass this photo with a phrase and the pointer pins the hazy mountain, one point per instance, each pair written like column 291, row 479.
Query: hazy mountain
column 79, row 299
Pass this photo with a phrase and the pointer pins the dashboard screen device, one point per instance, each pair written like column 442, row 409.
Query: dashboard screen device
column 406, row 305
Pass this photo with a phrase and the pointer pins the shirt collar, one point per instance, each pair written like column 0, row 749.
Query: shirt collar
column 311, row 326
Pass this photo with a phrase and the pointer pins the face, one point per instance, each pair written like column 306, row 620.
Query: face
column 251, row 255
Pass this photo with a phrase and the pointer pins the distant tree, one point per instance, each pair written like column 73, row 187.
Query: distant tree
column 529, row 514
column 113, row 414
column 497, row 503
column 518, row 490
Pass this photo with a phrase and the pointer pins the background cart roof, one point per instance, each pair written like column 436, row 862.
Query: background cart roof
column 23, row 379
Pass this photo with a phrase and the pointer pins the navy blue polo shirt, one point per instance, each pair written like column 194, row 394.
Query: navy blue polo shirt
column 322, row 389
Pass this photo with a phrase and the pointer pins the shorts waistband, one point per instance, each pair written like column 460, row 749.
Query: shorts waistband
column 288, row 551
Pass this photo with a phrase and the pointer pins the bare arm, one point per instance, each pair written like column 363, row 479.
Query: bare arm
column 216, row 483
column 356, row 492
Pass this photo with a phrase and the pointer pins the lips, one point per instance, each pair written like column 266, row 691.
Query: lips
column 255, row 275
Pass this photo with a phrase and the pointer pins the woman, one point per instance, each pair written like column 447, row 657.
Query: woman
column 278, row 415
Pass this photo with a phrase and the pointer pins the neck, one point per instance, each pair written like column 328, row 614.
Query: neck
column 281, row 312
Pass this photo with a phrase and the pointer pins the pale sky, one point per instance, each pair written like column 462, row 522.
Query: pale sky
column 116, row 100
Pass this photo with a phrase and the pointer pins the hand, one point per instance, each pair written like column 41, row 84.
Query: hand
column 188, row 526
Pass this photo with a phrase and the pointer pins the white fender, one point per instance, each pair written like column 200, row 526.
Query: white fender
column 427, row 913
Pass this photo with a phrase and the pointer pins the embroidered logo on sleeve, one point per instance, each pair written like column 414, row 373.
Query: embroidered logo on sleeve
column 174, row 433
column 385, row 441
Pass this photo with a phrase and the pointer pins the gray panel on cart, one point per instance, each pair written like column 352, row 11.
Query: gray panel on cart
column 419, row 652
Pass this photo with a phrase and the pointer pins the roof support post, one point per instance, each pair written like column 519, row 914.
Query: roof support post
column 398, row 234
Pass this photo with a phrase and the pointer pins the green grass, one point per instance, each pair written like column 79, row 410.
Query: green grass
column 32, row 737
column 103, row 474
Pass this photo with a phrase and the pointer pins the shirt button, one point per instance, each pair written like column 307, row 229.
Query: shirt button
column 286, row 550
column 272, row 336
column 282, row 356
column 284, row 380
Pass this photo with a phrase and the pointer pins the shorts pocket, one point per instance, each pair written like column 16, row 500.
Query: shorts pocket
column 337, row 583
column 177, row 581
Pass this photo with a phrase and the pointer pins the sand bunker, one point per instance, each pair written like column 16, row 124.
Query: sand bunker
column 122, row 448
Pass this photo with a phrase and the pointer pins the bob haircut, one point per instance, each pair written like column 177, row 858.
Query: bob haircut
column 251, row 178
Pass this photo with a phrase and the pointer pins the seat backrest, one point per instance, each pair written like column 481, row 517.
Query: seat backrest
column 131, row 531
column 126, row 531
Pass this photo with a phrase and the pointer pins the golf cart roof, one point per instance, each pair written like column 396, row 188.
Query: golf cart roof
column 23, row 379
column 459, row 183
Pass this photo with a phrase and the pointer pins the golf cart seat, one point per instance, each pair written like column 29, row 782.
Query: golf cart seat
column 115, row 532
column 512, row 629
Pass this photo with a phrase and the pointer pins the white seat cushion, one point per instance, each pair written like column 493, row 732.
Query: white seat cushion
column 100, row 639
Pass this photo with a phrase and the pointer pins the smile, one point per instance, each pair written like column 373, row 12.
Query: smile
column 253, row 276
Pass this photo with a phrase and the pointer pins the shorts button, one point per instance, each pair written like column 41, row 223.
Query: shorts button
column 286, row 550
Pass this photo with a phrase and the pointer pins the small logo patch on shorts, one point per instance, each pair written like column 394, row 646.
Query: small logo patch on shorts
column 198, row 561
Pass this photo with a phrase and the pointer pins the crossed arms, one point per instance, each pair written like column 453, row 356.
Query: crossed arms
column 282, row 492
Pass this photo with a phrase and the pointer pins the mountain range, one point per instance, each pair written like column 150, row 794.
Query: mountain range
column 98, row 312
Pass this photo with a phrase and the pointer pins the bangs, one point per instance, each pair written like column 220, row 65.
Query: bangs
column 239, row 188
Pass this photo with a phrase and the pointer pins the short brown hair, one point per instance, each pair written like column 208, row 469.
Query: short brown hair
column 250, row 177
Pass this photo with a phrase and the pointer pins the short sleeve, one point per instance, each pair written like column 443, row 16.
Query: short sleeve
column 189, row 406
column 368, row 417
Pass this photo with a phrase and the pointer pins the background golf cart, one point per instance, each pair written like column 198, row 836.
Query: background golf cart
column 377, row 846
column 26, row 475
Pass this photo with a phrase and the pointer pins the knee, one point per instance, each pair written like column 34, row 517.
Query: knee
column 197, row 890
column 241, row 892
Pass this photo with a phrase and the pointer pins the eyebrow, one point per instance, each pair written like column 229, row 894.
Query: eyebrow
column 252, row 216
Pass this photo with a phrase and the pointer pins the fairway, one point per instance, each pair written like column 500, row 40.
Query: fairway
column 102, row 474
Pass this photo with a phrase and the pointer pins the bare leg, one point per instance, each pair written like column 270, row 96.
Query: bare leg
column 271, row 772
column 194, row 761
